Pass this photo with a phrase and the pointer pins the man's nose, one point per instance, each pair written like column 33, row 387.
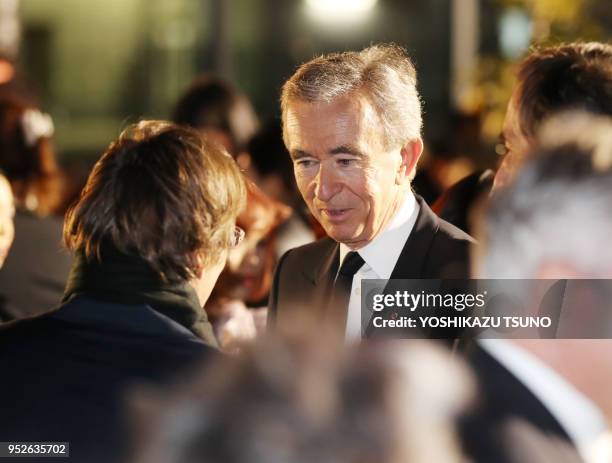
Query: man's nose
column 327, row 183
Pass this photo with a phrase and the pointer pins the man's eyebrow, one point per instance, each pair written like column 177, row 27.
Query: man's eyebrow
column 297, row 154
column 345, row 149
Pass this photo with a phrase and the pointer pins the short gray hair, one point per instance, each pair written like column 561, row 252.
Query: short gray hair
column 384, row 74
column 563, row 192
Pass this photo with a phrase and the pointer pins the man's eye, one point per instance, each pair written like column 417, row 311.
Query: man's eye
column 346, row 162
column 305, row 163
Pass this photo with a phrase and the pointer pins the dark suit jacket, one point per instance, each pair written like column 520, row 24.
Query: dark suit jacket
column 304, row 275
column 489, row 431
column 34, row 275
column 457, row 203
column 65, row 373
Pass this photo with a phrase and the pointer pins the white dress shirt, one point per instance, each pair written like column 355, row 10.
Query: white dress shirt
column 578, row 415
column 380, row 256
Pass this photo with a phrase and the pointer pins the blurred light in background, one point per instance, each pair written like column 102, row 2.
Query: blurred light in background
column 339, row 11
column 515, row 32
column 465, row 39
column 9, row 28
column 175, row 35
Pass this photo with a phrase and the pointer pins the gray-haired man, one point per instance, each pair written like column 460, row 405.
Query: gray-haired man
column 352, row 125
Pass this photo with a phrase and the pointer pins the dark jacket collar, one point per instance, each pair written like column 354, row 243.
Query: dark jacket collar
column 124, row 279
column 329, row 264
column 137, row 319
column 413, row 258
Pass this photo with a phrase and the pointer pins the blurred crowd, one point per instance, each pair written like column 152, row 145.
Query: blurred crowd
column 197, row 298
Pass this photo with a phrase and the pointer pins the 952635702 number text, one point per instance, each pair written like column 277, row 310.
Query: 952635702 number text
column 31, row 449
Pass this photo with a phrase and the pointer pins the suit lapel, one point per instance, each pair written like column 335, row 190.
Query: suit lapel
column 411, row 263
column 413, row 258
column 322, row 276
column 328, row 269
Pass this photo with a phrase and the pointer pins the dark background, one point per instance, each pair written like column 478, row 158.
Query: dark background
column 99, row 64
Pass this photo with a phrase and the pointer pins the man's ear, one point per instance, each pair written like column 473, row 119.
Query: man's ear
column 199, row 271
column 411, row 152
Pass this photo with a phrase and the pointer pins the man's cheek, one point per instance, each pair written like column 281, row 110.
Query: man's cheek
column 372, row 175
column 356, row 180
column 373, row 182
column 303, row 186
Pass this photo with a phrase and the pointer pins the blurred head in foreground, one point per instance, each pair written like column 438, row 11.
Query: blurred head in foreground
column 7, row 212
column 557, row 213
column 554, row 221
column 576, row 76
column 297, row 403
column 163, row 194
column 27, row 157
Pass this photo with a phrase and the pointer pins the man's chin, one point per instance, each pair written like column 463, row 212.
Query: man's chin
column 336, row 234
column 341, row 235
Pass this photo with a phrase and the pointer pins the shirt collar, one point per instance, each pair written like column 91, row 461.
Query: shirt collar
column 578, row 415
column 382, row 252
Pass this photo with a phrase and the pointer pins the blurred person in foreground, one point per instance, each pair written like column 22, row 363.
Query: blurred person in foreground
column 548, row 399
column 574, row 76
column 299, row 402
column 352, row 126
column 150, row 234
column 36, row 270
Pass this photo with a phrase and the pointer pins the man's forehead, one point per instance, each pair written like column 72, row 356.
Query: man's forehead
column 350, row 115
column 355, row 101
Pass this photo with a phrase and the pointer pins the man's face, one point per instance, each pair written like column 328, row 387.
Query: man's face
column 351, row 182
column 517, row 146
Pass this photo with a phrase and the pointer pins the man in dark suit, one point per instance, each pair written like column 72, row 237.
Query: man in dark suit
column 352, row 123
column 150, row 233
column 549, row 399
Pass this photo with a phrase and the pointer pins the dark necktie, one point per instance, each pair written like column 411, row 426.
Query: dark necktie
column 341, row 292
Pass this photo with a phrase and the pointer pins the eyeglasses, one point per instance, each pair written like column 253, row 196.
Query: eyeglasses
column 237, row 237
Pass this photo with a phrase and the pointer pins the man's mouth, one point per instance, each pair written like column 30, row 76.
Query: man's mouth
column 335, row 214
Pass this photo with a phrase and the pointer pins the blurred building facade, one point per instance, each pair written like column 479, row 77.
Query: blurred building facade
column 100, row 64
